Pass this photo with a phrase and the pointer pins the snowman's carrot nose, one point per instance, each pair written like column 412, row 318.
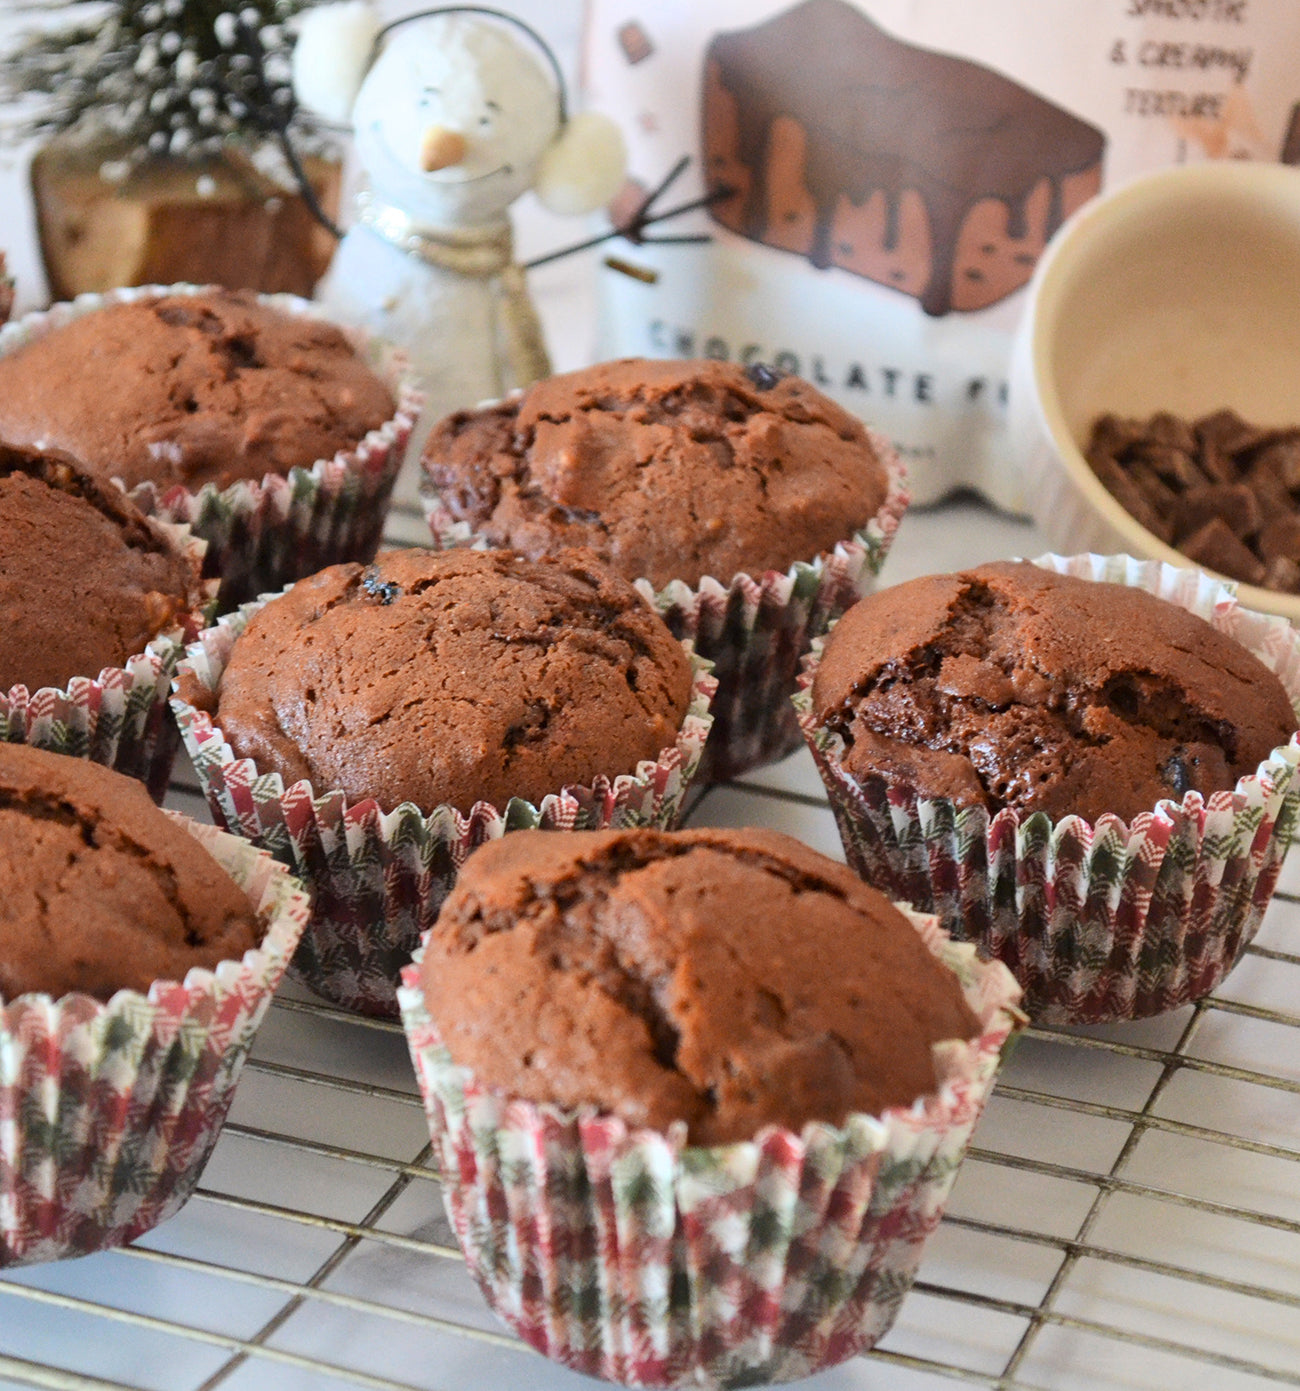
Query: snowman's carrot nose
column 441, row 148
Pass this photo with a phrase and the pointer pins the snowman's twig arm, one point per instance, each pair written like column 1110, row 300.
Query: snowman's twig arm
column 716, row 196
column 681, row 239
column 305, row 189
column 638, row 218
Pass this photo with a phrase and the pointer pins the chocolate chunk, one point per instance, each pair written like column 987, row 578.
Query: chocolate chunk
column 1291, row 140
column 1217, row 464
column 1153, row 487
column 383, row 590
column 1228, row 432
column 1176, row 467
column 635, row 42
column 1113, row 434
column 1269, row 487
column 1215, row 547
column 1281, row 457
column 763, row 376
column 1282, row 573
column 1207, row 488
column 1131, row 498
column 1171, row 431
column 1177, row 774
column 1234, row 503
column 1281, row 537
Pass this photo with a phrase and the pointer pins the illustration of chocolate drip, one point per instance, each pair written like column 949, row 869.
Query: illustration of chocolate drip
column 914, row 168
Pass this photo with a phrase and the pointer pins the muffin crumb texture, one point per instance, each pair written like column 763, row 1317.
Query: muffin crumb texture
column 727, row 979
column 99, row 890
column 1011, row 686
column 454, row 677
column 86, row 580
column 668, row 470
column 191, row 389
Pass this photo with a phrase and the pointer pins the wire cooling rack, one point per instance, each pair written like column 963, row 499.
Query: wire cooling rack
column 1128, row 1215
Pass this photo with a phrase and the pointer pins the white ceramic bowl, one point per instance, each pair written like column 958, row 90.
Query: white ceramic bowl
column 1179, row 291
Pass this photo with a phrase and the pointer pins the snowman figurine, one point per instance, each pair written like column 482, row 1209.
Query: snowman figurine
column 456, row 112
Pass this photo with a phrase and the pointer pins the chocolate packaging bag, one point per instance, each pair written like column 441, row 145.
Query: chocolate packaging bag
column 884, row 175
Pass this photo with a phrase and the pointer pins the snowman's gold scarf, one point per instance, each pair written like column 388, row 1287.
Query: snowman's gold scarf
column 483, row 253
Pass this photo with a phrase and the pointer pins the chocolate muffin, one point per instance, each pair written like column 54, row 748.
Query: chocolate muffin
column 86, row 580
column 99, row 890
column 727, row 979
column 1013, row 686
column 191, row 389
column 668, row 470
column 453, row 677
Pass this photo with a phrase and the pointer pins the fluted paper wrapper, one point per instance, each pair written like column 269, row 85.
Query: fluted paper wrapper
column 1100, row 922
column 108, row 1112
column 264, row 533
column 754, row 629
column 118, row 718
column 378, row 878
column 630, row 1255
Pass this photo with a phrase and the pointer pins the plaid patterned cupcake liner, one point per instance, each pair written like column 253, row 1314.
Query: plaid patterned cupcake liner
column 263, row 534
column 108, row 1112
column 378, row 878
column 120, row 717
column 630, row 1255
column 1098, row 922
column 754, row 630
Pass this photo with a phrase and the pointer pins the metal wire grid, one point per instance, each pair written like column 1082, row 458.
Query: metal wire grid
column 328, row 1082
column 281, row 1146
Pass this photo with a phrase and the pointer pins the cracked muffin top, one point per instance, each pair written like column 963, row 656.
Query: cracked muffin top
column 99, row 890
column 191, row 389
column 86, row 579
column 453, row 677
column 1012, row 686
column 667, row 470
column 727, row 979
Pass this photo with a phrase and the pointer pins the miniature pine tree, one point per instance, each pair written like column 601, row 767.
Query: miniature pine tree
column 181, row 78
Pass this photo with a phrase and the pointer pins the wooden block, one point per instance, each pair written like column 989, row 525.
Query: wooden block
column 217, row 221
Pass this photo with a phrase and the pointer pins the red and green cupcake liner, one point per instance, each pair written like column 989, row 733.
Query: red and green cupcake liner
column 378, row 878
column 109, row 1111
column 264, row 533
column 630, row 1255
column 1099, row 922
column 754, row 629
column 120, row 717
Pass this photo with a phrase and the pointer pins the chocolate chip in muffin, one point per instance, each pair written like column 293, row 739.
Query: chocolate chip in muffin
column 454, row 677
column 1011, row 685
column 667, row 470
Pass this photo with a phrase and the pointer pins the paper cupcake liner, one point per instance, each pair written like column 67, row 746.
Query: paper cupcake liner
column 1098, row 922
column 264, row 534
column 378, row 878
column 108, row 1112
column 753, row 630
column 630, row 1255
column 120, row 717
